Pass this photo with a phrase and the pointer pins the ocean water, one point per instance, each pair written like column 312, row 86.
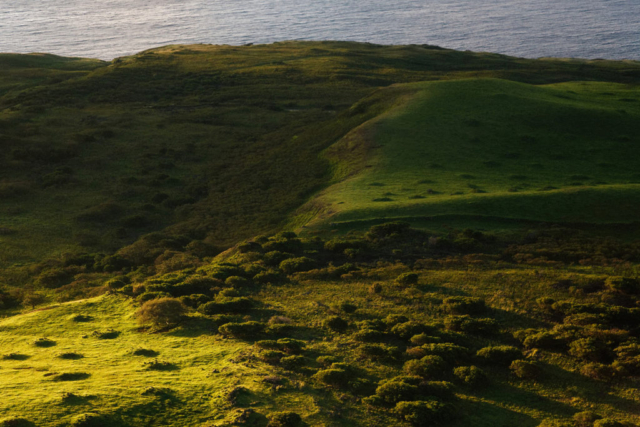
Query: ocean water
column 528, row 28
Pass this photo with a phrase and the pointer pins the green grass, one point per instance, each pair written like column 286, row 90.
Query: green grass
column 493, row 149
column 231, row 136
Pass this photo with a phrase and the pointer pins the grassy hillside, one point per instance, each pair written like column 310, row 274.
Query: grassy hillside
column 339, row 332
column 496, row 149
column 211, row 144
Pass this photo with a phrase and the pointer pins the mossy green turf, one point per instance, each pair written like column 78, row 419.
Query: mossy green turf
column 491, row 148
column 205, row 368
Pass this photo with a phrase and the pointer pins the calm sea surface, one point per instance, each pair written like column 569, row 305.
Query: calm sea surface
column 530, row 28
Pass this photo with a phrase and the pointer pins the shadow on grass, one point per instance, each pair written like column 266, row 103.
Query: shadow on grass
column 15, row 356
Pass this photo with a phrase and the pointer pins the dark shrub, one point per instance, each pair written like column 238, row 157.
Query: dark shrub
column 464, row 305
column 422, row 339
column 425, row 413
column 70, row 356
column 231, row 305
column 380, row 352
column 90, row 419
column 337, row 324
column 291, row 346
column 16, row 422
column 194, row 285
column 249, row 247
column 543, row 340
column 453, row 354
column 145, row 352
column 294, row 265
column 598, row 371
column 468, row 324
column 525, row 370
column 53, row 278
column 500, row 355
column 376, row 288
column 393, row 319
column 194, row 301
column 471, row 375
column 293, row 362
column 430, row 366
column 271, row 356
column 441, row 389
column 284, row 419
column 44, row 342
column 387, row 230
column 334, row 377
column 148, row 296
column 237, row 282
column 107, row 334
column 607, row 422
column 348, row 307
column 396, row 390
column 589, row 349
column 407, row 279
column 274, row 258
column 624, row 285
column 408, row 329
column 269, row 277
column 161, row 312
column 585, row 419
column 326, row 360
column 283, row 245
column 71, row 376
column 369, row 335
column 242, row 330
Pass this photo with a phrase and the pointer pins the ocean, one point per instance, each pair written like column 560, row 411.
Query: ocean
column 528, row 28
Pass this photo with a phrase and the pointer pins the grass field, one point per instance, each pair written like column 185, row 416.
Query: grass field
column 496, row 149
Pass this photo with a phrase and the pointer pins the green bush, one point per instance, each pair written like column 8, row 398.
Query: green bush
column 88, row 420
column 406, row 330
column 607, row 422
column 425, row 413
column 231, row 305
column 161, row 312
column 271, row 356
column 348, row 307
column 407, row 279
column 284, row 419
column 245, row 330
column 468, row 324
column 452, row 353
column 194, row 301
column 430, row 366
column 422, row 339
column 396, row 390
column 589, row 349
column 294, row 265
column 598, row 371
column 334, row 377
column 471, row 375
column 274, row 258
column 464, row 305
column 16, row 422
column 543, row 340
column 44, row 342
column 381, row 352
column 526, row 370
column 500, row 355
column 369, row 335
column 269, row 277
column 394, row 319
column 293, row 362
column 148, row 296
column 624, row 285
column 336, row 323
column 585, row 419
column 237, row 282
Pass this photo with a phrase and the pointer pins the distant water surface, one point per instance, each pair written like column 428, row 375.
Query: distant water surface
column 529, row 28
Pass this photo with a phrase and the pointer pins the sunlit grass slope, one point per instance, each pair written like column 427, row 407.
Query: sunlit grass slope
column 495, row 149
column 92, row 367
